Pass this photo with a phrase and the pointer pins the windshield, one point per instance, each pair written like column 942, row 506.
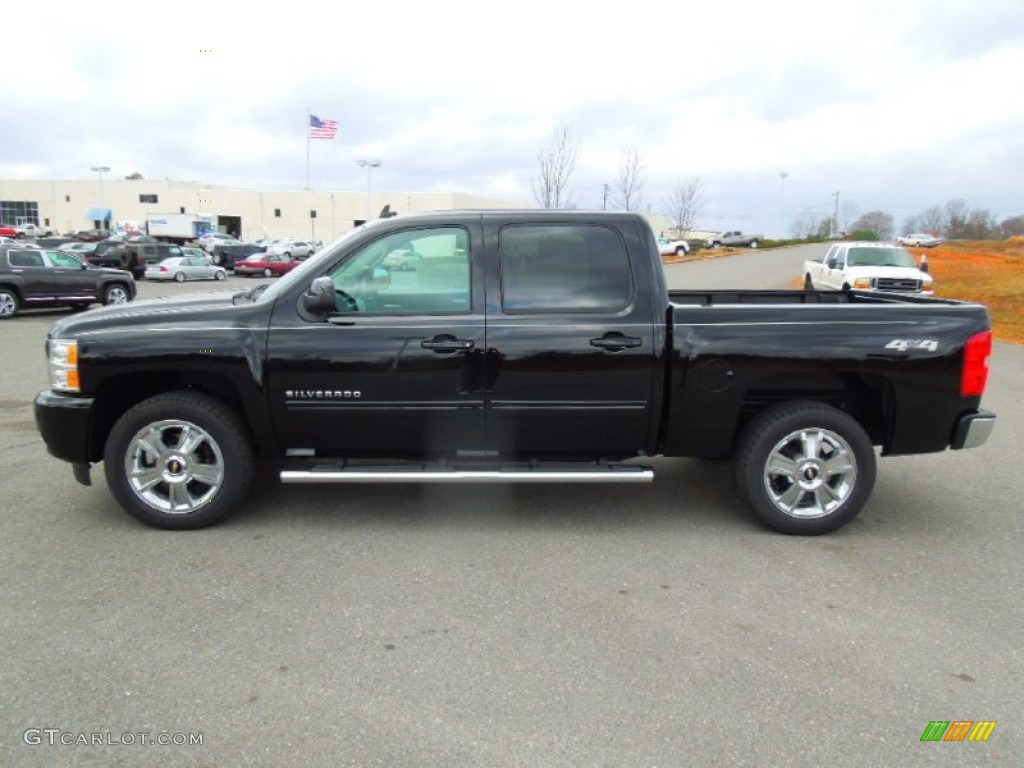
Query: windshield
column 880, row 257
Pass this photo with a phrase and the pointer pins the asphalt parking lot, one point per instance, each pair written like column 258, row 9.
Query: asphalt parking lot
column 524, row 626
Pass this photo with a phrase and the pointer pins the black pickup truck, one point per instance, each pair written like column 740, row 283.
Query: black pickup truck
column 526, row 346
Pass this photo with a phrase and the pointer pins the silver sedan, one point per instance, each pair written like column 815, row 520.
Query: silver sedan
column 182, row 268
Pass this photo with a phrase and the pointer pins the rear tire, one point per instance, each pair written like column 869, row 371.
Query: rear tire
column 754, row 243
column 267, row 272
column 179, row 277
column 808, row 285
column 179, row 460
column 805, row 468
column 116, row 294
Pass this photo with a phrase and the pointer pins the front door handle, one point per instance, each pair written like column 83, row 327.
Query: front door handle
column 616, row 342
column 447, row 343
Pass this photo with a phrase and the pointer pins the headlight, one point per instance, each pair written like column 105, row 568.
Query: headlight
column 862, row 284
column 63, row 359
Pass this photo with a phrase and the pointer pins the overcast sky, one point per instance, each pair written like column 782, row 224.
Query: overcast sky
column 896, row 104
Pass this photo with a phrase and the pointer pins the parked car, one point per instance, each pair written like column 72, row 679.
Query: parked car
column 402, row 259
column 227, row 254
column 33, row 230
column 919, row 239
column 673, row 247
column 266, row 264
column 133, row 256
column 291, row 248
column 210, row 239
column 182, row 268
column 32, row 277
column 195, row 253
column 92, row 235
column 868, row 266
column 81, row 248
column 734, row 239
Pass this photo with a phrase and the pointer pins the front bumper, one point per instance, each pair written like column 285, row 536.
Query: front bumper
column 973, row 429
column 65, row 422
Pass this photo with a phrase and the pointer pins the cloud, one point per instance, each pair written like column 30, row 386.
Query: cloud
column 896, row 104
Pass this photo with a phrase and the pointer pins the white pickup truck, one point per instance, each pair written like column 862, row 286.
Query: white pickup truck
column 867, row 267
column 29, row 229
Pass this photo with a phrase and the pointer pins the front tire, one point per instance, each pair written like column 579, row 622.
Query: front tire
column 9, row 303
column 805, row 468
column 220, row 274
column 179, row 460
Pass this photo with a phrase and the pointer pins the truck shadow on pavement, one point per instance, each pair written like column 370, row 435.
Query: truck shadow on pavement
column 685, row 492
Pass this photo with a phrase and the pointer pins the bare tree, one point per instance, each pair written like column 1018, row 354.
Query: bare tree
column 933, row 221
column 557, row 160
column 810, row 224
column 956, row 218
column 684, row 202
column 1012, row 226
column 629, row 185
column 877, row 222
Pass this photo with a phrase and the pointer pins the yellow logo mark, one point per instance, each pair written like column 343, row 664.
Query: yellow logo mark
column 982, row 730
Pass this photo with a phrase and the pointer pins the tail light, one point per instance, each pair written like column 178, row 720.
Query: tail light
column 975, row 372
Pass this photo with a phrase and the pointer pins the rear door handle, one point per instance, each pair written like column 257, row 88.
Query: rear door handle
column 615, row 343
column 447, row 343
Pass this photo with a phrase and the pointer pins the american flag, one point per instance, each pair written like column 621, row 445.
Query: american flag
column 322, row 128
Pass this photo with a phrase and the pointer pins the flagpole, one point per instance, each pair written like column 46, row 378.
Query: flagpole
column 309, row 121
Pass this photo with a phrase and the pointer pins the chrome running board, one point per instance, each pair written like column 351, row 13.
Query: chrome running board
column 585, row 473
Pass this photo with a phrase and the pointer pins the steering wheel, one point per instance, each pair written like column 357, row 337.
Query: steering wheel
column 347, row 301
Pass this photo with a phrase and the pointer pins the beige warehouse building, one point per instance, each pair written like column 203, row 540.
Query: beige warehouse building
column 69, row 205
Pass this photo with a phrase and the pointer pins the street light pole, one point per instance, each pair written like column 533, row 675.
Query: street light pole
column 369, row 165
column 100, row 170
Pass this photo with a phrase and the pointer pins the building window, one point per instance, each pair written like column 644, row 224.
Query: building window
column 148, row 199
column 19, row 212
column 67, row 198
column 277, row 213
column 312, row 214
column 181, row 209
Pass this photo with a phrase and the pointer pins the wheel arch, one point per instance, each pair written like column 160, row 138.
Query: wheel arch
column 867, row 398
column 117, row 395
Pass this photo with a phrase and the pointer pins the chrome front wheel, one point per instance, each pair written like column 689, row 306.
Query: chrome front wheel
column 174, row 466
column 179, row 460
